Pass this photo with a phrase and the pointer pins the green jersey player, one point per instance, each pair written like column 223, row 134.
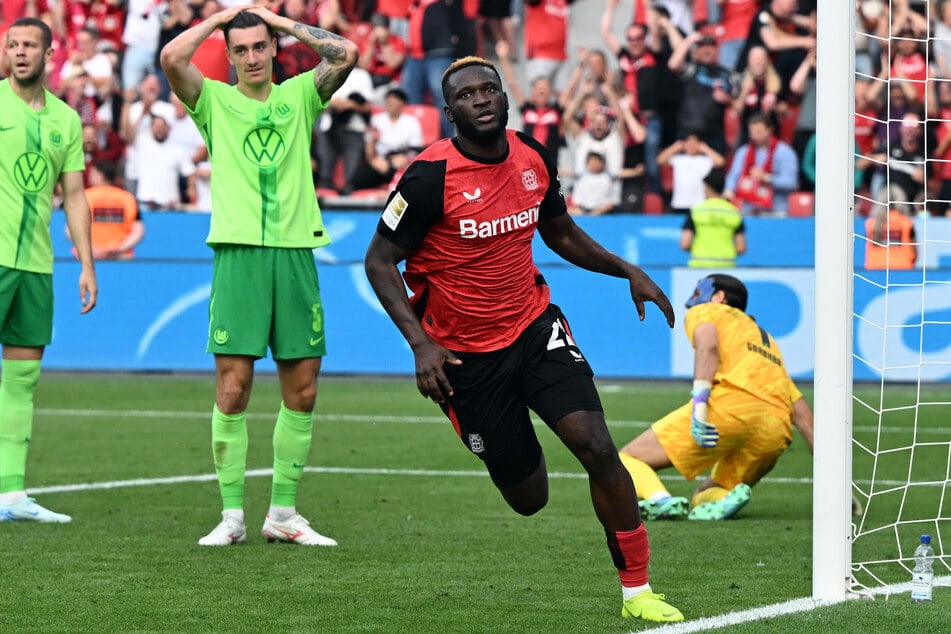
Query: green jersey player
column 41, row 138
column 265, row 222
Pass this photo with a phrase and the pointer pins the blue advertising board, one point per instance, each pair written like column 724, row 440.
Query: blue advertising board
column 153, row 310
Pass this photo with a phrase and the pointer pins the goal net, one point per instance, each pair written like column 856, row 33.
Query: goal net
column 883, row 330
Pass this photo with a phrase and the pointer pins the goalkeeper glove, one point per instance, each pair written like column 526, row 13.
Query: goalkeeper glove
column 704, row 434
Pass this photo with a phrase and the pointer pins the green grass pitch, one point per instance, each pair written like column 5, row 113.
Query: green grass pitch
column 426, row 543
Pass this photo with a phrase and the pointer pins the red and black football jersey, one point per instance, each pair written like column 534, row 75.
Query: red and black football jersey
column 469, row 224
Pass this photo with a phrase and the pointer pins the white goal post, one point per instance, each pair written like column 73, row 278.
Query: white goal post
column 832, row 466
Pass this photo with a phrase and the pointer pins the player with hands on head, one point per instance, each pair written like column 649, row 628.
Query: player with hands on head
column 488, row 343
column 740, row 415
column 42, row 148
column 265, row 223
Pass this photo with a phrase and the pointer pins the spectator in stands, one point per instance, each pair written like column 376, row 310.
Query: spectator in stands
column 293, row 56
column 713, row 231
column 184, row 134
column 542, row 114
column 177, row 16
column 736, row 16
column 398, row 13
column 939, row 122
column 891, row 240
column 546, row 38
column 802, row 96
column 872, row 30
column 909, row 68
column 595, row 192
column 690, row 160
column 434, row 31
column 87, row 65
column 708, row 88
column 759, row 91
column 787, row 35
column 907, row 169
column 331, row 17
column 199, row 188
column 211, row 58
column 382, row 55
column 940, row 41
column 157, row 187
column 590, row 77
column 139, row 108
column 100, row 144
column 639, row 74
column 764, row 171
column 601, row 136
column 661, row 35
column 393, row 139
column 140, row 35
column 633, row 169
column 342, row 126
column 680, row 13
column 496, row 17
column 117, row 225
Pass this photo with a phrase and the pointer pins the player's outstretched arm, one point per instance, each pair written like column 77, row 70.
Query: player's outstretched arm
column 176, row 57
column 381, row 268
column 338, row 54
column 569, row 241
column 803, row 420
column 78, row 220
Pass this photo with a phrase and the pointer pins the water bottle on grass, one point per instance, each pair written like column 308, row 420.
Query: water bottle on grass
column 923, row 574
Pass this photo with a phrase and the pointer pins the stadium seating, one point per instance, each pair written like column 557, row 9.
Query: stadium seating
column 653, row 204
column 801, row 204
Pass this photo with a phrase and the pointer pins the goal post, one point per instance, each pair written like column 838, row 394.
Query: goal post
column 834, row 222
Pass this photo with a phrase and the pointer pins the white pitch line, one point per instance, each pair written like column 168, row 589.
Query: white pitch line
column 944, row 432
column 746, row 616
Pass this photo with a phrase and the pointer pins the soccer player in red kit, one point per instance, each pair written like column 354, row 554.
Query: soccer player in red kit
column 488, row 343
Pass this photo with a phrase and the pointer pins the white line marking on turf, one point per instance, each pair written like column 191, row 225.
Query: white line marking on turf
column 736, row 618
column 368, row 418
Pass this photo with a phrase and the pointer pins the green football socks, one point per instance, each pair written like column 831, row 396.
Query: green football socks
column 229, row 445
column 292, row 436
column 18, row 381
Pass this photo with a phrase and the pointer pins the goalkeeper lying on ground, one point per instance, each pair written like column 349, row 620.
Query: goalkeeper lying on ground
column 738, row 422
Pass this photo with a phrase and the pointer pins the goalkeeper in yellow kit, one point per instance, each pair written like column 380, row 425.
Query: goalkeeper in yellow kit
column 738, row 422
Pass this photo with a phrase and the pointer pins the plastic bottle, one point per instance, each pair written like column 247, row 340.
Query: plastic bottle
column 923, row 574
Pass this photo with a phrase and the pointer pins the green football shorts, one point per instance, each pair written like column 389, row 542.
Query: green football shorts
column 26, row 308
column 265, row 297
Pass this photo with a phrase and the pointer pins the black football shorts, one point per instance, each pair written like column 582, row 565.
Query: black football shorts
column 543, row 370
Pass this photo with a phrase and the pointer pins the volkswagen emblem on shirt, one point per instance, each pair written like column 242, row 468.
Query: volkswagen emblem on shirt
column 264, row 146
column 31, row 171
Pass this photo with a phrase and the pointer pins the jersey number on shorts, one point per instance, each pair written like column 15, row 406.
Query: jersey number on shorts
column 560, row 337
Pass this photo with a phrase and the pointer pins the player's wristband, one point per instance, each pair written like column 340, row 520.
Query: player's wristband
column 700, row 385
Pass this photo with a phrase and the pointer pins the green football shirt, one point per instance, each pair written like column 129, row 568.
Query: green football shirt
column 262, row 189
column 37, row 147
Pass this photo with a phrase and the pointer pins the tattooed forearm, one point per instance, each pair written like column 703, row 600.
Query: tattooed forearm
column 328, row 75
column 324, row 42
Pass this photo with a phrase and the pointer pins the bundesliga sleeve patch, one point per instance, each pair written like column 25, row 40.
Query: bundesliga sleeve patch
column 394, row 211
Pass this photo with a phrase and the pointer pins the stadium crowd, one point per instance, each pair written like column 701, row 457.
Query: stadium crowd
column 692, row 86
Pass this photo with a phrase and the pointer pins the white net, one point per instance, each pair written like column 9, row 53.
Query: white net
column 901, row 441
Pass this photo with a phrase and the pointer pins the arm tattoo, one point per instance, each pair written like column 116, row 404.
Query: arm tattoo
column 317, row 39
